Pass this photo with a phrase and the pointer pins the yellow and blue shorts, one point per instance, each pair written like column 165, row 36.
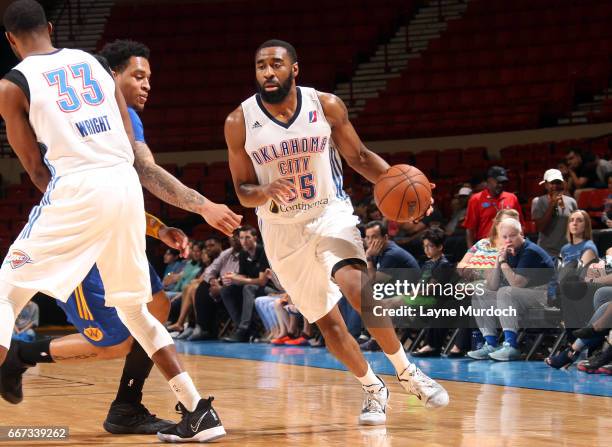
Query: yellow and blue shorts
column 85, row 309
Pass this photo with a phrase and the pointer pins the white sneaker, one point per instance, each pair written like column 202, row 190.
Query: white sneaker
column 430, row 392
column 374, row 409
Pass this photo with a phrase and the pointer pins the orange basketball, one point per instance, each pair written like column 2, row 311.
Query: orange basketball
column 403, row 193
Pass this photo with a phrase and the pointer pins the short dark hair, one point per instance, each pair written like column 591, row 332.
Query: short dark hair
column 380, row 224
column 215, row 238
column 435, row 235
column 280, row 43
column 119, row 52
column 248, row 228
column 199, row 244
column 23, row 16
column 173, row 251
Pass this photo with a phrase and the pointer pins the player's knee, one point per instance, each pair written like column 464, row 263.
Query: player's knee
column 160, row 306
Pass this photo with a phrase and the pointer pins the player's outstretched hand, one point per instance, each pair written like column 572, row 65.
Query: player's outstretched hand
column 222, row 218
column 280, row 190
column 175, row 238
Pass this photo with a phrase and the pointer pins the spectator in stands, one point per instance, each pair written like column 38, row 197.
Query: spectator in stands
column 582, row 170
column 26, row 323
column 250, row 282
column 385, row 260
column 455, row 231
column 436, row 269
column 176, row 282
column 580, row 236
column 473, row 266
column 517, row 281
column 410, row 233
column 173, row 261
column 551, row 213
column 383, row 254
column 212, row 249
column 208, row 294
column 597, row 274
column 483, row 206
column 264, row 305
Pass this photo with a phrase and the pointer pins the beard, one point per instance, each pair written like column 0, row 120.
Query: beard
column 277, row 96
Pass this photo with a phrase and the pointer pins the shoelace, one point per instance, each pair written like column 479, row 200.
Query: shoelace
column 417, row 377
column 372, row 404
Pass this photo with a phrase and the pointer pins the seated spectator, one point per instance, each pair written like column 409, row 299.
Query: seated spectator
column 582, row 170
column 597, row 275
column 175, row 282
column 384, row 254
column 289, row 319
column 473, row 266
column 173, row 261
column 409, row 234
column 517, row 281
column 264, row 305
column 207, row 297
column 455, row 243
column 212, row 249
column 385, row 260
column 551, row 213
column 579, row 234
column 26, row 323
column 436, row 269
column 250, row 282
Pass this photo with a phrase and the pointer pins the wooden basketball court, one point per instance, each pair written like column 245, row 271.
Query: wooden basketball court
column 267, row 404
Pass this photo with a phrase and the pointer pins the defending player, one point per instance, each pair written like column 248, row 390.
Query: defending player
column 92, row 210
column 284, row 144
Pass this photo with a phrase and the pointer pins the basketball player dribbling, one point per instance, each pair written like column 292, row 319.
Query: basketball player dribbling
column 284, row 144
column 92, row 210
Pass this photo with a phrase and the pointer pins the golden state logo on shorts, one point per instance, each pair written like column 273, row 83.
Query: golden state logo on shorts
column 93, row 333
column 17, row 258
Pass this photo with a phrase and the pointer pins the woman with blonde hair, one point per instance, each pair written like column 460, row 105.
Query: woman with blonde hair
column 480, row 257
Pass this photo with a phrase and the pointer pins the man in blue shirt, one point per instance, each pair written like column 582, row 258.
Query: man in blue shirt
column 516, row 287
column 386, row 261
column 384, row 255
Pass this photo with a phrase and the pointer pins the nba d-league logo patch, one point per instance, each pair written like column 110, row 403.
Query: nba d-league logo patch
column 18, row 258
column 312, row 116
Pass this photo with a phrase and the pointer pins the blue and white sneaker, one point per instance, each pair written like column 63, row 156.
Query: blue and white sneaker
column 506, row 353
column 483, row 353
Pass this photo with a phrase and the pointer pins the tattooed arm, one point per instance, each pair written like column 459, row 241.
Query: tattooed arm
column 167, row 188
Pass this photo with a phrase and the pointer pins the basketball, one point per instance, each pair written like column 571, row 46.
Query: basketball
column 403, row 193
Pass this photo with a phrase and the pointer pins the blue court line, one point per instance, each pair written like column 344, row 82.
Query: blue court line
column 532, row 375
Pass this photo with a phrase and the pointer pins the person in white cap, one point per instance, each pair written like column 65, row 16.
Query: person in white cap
column 551, row 212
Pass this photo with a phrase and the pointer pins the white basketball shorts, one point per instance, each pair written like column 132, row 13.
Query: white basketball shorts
column 94, row 216
column 303, row 255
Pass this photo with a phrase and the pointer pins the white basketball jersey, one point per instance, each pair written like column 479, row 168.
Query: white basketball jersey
column 300, row 151
column 74, row 113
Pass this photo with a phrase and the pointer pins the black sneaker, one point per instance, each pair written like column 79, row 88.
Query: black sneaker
column 597, row 360
column 239, row 336
column 11, row 373
column 201, row 425
column 126, row 418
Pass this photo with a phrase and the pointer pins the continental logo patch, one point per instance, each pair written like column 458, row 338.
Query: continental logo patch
column 18, row 258
column 93, row 333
